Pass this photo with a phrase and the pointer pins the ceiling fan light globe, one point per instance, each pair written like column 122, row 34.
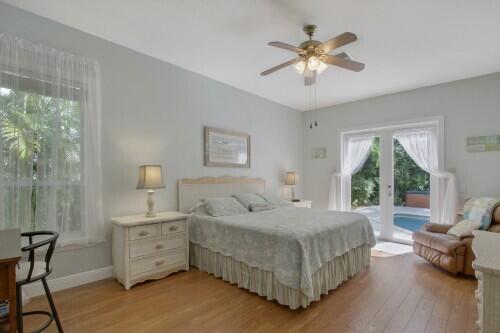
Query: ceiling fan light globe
column 322, row 66
column 313, row 63
column 308, row 73
column 300, row 67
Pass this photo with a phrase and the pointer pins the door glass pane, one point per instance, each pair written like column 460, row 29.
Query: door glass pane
column 365, row 188
column 411, row 194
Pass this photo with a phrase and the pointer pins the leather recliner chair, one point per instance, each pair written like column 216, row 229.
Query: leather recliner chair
column 448, row 252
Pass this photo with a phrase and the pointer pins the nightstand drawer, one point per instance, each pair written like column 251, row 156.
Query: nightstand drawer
column 158, row 263
column 143, row 231
column 173, row 227
column 153, row 246
column 147, row 248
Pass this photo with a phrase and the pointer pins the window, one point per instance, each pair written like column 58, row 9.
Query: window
column 49, row 142
column 40, row 161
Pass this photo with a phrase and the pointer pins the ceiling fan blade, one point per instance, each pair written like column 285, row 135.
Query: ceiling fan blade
column 283, row 65
column 340, row 40
column 343, row 55
column 344, row 63
column 310, row 80
column 286, row 46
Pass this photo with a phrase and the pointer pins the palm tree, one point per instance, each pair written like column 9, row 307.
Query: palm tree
column 408, row 176
column 28, row 123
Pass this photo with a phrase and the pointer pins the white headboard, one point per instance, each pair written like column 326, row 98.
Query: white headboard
column 193, row 190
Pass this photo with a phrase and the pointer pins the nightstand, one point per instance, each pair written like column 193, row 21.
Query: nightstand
column 302, row 203
column 147, row 248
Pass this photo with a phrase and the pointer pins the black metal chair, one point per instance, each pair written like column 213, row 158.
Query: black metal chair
column 31, row 271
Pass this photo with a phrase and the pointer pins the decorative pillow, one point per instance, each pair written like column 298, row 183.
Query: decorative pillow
column 248, row 199
column 274, row 200
column 259, row 207
column 224, row 206
column 464, row 228
column 481, row 210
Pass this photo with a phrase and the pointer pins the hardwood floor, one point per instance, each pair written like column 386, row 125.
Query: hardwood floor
column 396, row 294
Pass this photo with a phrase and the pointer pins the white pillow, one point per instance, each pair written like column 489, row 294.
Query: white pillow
column 224, row 206
column 259, row 207
column 274, row 200
column 199, row 208
column 250, row 199
column 464, row 228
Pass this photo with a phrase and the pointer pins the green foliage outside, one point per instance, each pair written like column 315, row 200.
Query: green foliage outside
column 365, row 184
column 39, row 157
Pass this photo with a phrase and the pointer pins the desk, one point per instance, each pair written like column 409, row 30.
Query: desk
column 10, row 253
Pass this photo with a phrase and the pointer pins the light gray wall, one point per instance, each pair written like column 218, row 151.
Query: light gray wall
column 154, row 113
column 470, row 107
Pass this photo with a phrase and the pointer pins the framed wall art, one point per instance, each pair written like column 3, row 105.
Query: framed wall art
column 318, row 153
column 483, row 143
column 226, row 148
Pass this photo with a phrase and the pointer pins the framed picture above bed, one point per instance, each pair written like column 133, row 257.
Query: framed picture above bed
column 226, row 148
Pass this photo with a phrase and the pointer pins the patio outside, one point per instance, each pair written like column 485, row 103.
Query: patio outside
column 411, row 192
column 406, row 219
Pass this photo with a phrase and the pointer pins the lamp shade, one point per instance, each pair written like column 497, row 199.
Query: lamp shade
column 150, row 177
column 290, row 178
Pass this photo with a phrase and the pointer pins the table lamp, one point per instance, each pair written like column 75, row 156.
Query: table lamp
column 290, row 181
column 150, row 178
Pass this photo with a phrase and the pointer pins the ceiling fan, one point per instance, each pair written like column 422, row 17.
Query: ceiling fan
column 313, row 57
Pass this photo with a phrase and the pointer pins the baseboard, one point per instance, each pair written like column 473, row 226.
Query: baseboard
column 70, row 281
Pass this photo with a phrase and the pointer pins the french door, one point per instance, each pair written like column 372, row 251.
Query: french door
column 403, row 196
column 386, row 186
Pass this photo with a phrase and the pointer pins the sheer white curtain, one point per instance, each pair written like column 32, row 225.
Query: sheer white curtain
column 50, row 153
column 422, row 146
column 355, row 155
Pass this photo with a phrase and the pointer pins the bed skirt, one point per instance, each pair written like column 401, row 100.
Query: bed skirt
column 263, row 283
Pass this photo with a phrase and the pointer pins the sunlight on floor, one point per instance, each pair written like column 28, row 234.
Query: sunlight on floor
column 389, row 249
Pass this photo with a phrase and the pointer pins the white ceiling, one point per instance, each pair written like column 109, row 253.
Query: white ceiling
column 405, row 43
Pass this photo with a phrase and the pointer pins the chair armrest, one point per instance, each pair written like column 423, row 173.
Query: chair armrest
column 495, row 228
column 437, row 228
column 28, row 248
column 467, row 240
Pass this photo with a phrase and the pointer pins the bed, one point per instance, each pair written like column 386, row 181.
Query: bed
column 288, row 254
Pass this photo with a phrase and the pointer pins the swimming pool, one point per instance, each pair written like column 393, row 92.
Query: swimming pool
column 409, row 221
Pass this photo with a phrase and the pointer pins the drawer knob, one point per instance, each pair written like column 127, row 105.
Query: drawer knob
column 159, row 262
column 159, row 246
column 143, row 233
column 173, row 228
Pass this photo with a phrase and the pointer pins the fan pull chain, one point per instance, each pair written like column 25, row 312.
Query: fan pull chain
column 316, row 100
column 310, row 107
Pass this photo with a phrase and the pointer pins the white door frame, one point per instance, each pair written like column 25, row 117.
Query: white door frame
column 385, row 131
column 386, row 185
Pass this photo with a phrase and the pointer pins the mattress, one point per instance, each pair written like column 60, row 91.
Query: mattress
column 291, row 243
